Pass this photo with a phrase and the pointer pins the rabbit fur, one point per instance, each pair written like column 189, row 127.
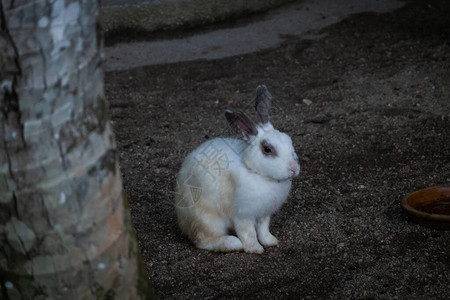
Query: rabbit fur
column 229, row 184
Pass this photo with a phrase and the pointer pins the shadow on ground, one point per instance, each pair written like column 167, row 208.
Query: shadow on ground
column 376, row 129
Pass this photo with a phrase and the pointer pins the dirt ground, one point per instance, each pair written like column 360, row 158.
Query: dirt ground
column 376, row 127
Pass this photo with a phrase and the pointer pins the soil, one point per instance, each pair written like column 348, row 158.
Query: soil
column 368, row 108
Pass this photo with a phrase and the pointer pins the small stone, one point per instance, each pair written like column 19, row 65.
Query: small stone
column 307, row 101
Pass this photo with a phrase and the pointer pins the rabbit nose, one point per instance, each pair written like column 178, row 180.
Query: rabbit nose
column 294, row 168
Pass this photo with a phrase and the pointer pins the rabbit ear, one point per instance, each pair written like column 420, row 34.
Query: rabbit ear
column 243, row 126
column 262, row 104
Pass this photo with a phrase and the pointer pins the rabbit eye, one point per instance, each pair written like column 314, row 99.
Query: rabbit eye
column 267, row 149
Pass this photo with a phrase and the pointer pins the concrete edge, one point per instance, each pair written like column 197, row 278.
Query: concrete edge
column 177, row 14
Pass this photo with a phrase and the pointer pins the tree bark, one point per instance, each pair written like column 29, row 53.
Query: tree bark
column 64, row 230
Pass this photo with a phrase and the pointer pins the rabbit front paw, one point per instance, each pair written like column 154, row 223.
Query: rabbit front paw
column 246, row 232
column 268, row 240
column 264, row 235
column 254, row 247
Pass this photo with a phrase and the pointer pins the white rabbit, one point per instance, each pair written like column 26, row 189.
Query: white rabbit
column 228, row 185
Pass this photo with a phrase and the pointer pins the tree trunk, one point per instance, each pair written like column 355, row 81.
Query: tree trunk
column 65, row 232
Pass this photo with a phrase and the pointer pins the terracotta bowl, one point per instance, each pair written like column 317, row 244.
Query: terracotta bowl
column 429, row 207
